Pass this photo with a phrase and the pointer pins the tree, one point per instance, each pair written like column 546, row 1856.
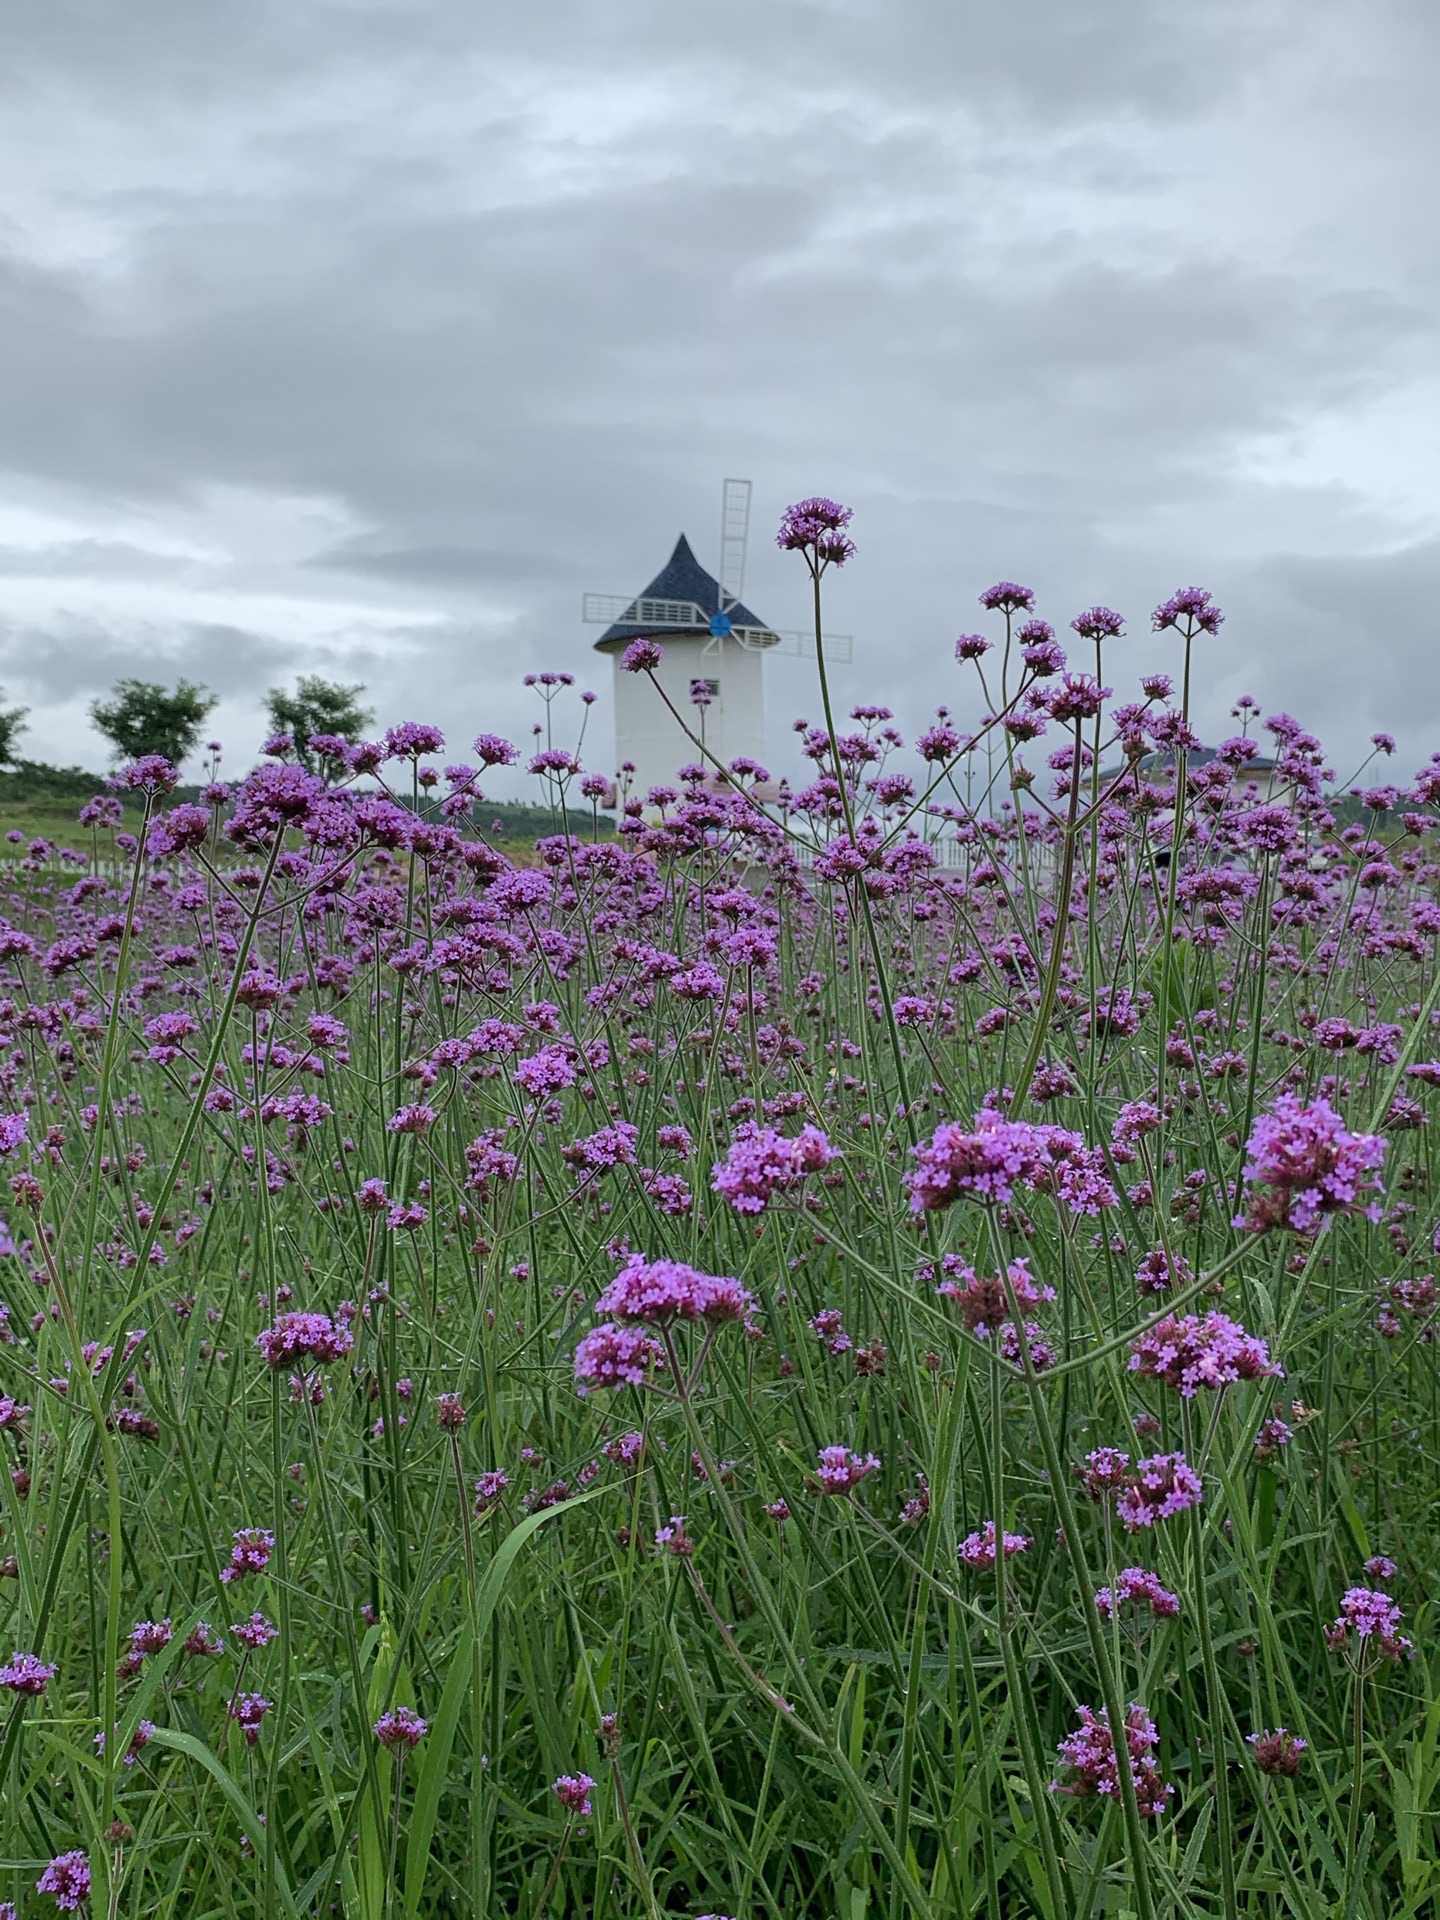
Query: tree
column 317, row 707
column 142, row 717
column 12, row 725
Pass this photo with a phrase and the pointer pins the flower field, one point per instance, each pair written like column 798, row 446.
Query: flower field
column 706, row 1374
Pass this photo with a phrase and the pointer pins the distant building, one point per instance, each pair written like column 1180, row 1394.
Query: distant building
column 1256, row 768
column 1161, row 764
column 708, row 648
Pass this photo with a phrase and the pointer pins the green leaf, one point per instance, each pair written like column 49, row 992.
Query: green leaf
column 250, row 1822
column 441, row 1736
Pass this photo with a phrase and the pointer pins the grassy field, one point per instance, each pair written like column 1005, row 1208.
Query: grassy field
column 674, row 1378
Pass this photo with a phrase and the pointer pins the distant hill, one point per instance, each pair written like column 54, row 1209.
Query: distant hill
column 35, row 783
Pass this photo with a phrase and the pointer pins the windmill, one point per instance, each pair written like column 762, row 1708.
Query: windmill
column 709, row 634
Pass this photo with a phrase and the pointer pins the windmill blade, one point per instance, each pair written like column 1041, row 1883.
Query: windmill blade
column 734, row 537
column 839, row 647
column 605, row 609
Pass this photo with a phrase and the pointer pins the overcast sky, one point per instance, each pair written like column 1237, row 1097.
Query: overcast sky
column 363, row 337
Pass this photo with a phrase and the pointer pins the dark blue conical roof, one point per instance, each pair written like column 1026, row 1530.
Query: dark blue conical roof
column 681, row 578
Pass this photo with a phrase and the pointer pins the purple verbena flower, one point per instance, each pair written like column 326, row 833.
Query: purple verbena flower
column 1138, row 1584
column 1313, row 1165
column 978, row 1549
column 840, row 1470
column 67, row 1880
column 254, row 1633
column 986, row 1164
column 1277, row 1751
column 249, row 1554
column 1098, row 623
column 1373, row 1618
column 411, row 739
column 1209, row 1350
column 1159, row 1271
column 759, row 1160
column 674, row 1540
column 1090, row 1754
column 655, row 1292
column 312, row 1338
column 642, row 656
column 1104, row 1472
column 401, row 1729
column 573, row 1791
column 613, row 1356
column 816, row 528
column 151, row 773
column 1159, row 1488
column 489, row 1489
column 546, row 1072
column 1274, row 1435
column 1191, row 610
column 1006, row 597
column 26, row 1674
column 247, row 1712
column 983, row 1301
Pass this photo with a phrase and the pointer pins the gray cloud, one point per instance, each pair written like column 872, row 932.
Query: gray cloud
column 87, row 559
column 362, row 337
column 75, row 656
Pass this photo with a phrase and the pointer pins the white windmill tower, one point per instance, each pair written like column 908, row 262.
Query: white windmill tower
column 707, row 633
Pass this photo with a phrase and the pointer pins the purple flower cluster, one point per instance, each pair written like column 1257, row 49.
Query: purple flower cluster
column 250, row 1553
column 1161, row 1272
column 642, row 656
column 26, row 1674
column 401, row 1729
column 67, row 1880
column 1140, row 1585
column 657, row 1292
column 841, row 1471
column 151, row 1636
column 983, row 1300
column 1209, row 1350
column 612, row 1356
column 1104, row 1472
column 986, row 1163
column 547, row 1072
column 247, row 1710
column 1278, row 1751
column 816, row 528
column 1312, row 1164
column 759, row 1160
column 1373, row 1620
column 1090, row 1754
column 977, row 1550
column 490, row 1487
column 573, row 1791
column 1190, row 610
column 306, row 1339
column 254, row 1633
column 1158, row 1489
